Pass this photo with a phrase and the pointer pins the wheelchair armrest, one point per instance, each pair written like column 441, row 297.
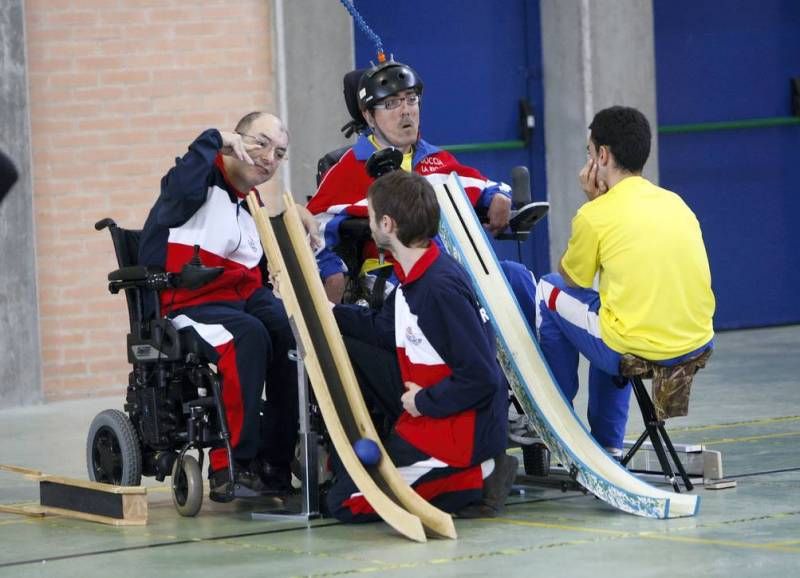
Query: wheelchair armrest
column 134, row 273
column 139, row 276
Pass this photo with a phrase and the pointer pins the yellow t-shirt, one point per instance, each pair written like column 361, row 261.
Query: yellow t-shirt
column 655, row 283
column 407, row 157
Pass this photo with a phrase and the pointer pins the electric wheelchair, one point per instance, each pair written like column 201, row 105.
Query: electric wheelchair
column 173, row 402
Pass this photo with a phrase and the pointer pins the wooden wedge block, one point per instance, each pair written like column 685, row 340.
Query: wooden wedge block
column 82, row 499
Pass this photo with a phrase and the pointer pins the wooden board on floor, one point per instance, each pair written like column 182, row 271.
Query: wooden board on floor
column 82, row 499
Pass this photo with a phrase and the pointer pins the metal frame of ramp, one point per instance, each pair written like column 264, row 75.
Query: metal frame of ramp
column 530, row 377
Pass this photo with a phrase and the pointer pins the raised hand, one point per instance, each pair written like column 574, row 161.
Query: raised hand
column 233, row 145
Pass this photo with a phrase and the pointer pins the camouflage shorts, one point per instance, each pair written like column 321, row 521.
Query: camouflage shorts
column 672, row 385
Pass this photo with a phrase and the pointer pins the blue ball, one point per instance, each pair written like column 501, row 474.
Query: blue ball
column 367, row 451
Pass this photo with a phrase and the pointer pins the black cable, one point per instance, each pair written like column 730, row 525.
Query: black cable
column 767, row 472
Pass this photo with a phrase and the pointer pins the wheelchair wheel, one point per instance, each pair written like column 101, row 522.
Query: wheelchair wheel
column 187, row 486
column 113, row 454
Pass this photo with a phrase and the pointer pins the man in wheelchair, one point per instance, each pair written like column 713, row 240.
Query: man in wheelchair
column 236, row 321
column 384, row 105
column 389, row 97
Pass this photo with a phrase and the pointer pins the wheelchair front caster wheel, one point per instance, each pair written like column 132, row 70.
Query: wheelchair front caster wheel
column 187, row 486
column 113, row 453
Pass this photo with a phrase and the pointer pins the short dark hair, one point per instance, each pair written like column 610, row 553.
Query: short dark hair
column 409, row 199
column 626, row 132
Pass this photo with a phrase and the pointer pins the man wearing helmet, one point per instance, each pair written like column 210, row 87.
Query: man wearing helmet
column 389, row 97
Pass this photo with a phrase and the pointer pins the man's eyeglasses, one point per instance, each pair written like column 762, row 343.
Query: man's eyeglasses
column 395, row 102
column 264, row 146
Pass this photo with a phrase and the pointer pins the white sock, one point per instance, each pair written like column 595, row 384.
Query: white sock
column 487, row 468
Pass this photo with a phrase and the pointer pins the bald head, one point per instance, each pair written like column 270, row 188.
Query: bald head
column 246, row 122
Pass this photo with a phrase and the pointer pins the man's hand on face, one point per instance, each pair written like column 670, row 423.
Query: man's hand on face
column 591, row 185
column 499, row 214
column 233, row 145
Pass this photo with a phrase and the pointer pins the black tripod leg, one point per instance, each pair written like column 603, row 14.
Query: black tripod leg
column 635, row 447
column 658, row 446
column 652, row 425
column 675, row 459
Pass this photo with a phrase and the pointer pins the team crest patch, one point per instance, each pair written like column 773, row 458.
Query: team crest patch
column 411, row 338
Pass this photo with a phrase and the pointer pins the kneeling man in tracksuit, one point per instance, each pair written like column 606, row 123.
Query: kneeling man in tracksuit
column 449, row 441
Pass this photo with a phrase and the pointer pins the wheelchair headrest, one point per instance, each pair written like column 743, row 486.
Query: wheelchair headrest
column 350, row 82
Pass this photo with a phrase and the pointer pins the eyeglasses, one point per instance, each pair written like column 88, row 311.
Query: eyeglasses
column 395, row 102
column 264, row 145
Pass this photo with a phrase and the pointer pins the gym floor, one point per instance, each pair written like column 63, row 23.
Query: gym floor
column 746, row 404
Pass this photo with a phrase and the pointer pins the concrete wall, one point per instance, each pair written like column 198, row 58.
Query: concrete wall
column 318, row 51
column 20, row 362
column 596, row 53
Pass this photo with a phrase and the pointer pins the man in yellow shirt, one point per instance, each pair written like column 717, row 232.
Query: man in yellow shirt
column 655, row 299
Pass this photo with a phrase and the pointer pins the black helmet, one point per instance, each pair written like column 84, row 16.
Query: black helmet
column 385, row 80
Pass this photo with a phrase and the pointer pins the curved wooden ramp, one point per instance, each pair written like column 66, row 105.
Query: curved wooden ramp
column 531, row 379
column 332, row 378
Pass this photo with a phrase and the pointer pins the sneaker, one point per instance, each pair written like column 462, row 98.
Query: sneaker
column 520, row 429
column 495, row 489
column 245, row 485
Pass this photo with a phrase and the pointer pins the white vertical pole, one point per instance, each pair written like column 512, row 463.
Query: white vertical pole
column 279, row 49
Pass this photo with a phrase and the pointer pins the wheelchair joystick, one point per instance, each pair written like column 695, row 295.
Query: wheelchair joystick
column 384, row 161
column 194, row 274
column 195, row 260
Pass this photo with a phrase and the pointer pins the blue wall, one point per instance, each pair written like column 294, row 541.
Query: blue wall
column 722, row 60
column 716, row 60
column 477, row 62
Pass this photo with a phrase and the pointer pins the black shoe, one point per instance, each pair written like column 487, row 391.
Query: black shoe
column 276, row 479
column 324, row 506
column 246, row 485
column 495, row 489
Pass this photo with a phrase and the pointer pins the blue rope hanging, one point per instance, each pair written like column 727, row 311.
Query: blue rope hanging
column 362, row 24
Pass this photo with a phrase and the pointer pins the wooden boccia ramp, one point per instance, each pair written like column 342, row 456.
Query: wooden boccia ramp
column 530, row 377
column 320, row 345
column 82, row 499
